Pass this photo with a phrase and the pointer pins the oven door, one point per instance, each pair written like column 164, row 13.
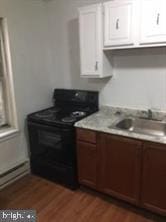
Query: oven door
column 52, row 144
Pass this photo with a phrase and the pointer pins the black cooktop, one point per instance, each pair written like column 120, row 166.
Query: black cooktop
column 63, row 116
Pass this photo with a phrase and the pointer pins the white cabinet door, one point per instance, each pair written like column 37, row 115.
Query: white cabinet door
column 118, row 23
column 153, row 22
column 90, row 40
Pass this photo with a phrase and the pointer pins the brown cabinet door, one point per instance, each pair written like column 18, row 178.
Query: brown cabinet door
column 154, row 178
column 120, row 161
column 87, row 163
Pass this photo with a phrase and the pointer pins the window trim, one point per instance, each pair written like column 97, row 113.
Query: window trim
column 10, row 101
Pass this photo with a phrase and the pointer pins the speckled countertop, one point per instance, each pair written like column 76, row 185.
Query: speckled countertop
column 105, row 119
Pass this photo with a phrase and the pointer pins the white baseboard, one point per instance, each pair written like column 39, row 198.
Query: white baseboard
column 14, row 174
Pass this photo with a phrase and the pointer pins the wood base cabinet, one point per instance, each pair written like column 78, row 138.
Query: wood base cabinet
column 154, row 178
column 120, row 168
column 87, row 158
column 125, row 168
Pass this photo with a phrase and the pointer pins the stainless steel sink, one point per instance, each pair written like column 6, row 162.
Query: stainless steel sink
column 126, row 124
column 143, row 126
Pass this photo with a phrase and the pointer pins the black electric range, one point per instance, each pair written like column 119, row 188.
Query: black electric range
column 52, row 135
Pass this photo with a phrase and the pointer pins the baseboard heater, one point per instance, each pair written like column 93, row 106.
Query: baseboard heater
column 13, row 174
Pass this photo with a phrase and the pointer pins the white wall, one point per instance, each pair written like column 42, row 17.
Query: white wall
column 139, row 80
column 140, row 76
column 27, row 24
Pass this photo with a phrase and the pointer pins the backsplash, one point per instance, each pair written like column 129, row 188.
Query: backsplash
column 132, row 112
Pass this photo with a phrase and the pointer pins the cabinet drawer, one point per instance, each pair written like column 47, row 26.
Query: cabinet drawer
column 86, row 135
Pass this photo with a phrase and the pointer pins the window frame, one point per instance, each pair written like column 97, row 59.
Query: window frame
column 8, row 84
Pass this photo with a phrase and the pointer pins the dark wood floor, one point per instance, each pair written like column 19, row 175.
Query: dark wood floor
column 56, row 203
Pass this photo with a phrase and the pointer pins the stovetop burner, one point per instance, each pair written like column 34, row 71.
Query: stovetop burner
column 68, row 119
column 47, row 113
column 78, row 114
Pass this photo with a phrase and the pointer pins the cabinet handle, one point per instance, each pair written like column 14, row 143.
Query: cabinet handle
column 117, row 24
column 96, row 66
column 158, row 19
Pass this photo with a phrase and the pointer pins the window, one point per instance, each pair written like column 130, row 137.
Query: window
column 8, row 118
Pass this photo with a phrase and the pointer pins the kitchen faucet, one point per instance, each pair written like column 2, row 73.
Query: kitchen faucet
column 150, row 114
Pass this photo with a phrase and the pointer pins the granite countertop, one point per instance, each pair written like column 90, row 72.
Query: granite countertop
column 108, row 116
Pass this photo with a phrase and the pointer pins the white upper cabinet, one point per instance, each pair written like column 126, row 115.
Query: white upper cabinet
column 118, row 23
column 93, row 60
column 153, row 22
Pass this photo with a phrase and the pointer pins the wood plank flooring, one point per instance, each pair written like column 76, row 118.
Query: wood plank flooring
column 54, row 203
